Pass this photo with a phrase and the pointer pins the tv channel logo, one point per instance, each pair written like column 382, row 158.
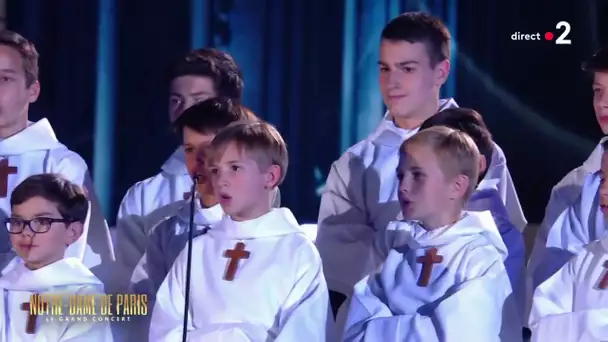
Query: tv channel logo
column 563, row 31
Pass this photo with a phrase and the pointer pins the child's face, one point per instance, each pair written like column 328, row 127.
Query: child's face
column 408, row 82
column 600, row 99
column 195, row 145
column 188, row 90
column 241, row 187
column 52, row 233
column 603, row 190
column 424, row 190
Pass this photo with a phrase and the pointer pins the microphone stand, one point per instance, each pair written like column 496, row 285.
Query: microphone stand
column 189, row 259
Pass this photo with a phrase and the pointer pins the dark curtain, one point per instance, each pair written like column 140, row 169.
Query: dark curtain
column 309, row 69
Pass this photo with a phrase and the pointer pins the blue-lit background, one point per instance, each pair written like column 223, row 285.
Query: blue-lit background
column 310, row 68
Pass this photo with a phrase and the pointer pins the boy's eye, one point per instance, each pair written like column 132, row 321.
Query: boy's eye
column 235, row 168
column 188, row 150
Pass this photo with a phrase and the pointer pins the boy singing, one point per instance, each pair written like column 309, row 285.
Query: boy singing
column 444, row 278
column 258, row 276
column 360, row 198
column 486, row 195
column 198, row 126
column 48, row 214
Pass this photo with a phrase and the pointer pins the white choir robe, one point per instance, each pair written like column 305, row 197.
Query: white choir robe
column 145, row 204
column 468, row 297
column 165, row 242
column 65, row 277
column 360, row 199
column 278, row 293
column 577, row 226
column 36, row 150
column 563, row 195
column 571, row 305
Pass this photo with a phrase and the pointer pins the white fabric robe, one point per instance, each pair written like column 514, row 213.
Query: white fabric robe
column 165, row 242
column 146, row 204
column 468, row 297
column 36, row 150
column 577, row 226
column 570, row 306
column 18, row 284
column 278, row 294
column 360, row 199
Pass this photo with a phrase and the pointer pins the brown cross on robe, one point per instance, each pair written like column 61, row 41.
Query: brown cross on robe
column 235, row 255
column 30, row 326
column 5, row 171
column 428, row 260
column 604, row 281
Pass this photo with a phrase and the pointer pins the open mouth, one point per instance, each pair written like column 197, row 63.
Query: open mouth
column 225, row 199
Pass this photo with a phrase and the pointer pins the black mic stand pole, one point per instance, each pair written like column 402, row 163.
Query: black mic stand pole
column 189, row 260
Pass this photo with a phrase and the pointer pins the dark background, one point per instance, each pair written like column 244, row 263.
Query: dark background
column 310, row 69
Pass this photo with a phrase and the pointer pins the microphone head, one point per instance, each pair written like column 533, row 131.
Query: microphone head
column 196, row 178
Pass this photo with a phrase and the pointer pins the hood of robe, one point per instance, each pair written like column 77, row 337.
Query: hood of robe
column 176, row 164
column 37, row 136
column 65, row 272
column 471, row 225
column 278, row 222
column 387, row 133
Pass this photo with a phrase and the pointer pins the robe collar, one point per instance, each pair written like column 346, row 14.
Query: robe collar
column 387, row 133
column 469, row 225
column 594, row 161
column 35, row 137
column 65, row 272
column 176, row 164
column 278, row 222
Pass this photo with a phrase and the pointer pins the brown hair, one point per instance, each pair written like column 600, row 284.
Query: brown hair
column 456, row 152
column 28, row 53
column 420, row 27
column 259, row 138
column 215, row 64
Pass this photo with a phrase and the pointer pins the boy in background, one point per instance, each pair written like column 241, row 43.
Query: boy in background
column 440, row 256
column 258, row 276
column 571, row 305
column 486, row 195
column 47, row 215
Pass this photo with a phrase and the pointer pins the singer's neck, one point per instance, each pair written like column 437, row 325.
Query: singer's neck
column 208, row 200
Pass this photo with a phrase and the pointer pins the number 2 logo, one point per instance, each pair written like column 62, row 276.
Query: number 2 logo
column 562, row 37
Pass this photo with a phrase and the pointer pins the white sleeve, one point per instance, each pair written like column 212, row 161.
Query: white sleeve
column 305, row 313
column 345, row 235
column 131, row 234
column 487, row 299
column 152, row 269
column 168, row 313
column 552, row 316
column 506, row 188
column 568, row 235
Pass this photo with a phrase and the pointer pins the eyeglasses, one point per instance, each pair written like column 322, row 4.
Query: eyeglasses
column 37, row 225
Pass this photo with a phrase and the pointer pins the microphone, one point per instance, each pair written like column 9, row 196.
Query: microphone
column 195, row 180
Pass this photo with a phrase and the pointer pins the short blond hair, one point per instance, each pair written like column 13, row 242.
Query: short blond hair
column 258, row 138
column 456, row 153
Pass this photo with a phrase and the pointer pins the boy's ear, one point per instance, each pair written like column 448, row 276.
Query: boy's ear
column 459, row 187
column 74, row 231
column 442, row 71
column 273, row 174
